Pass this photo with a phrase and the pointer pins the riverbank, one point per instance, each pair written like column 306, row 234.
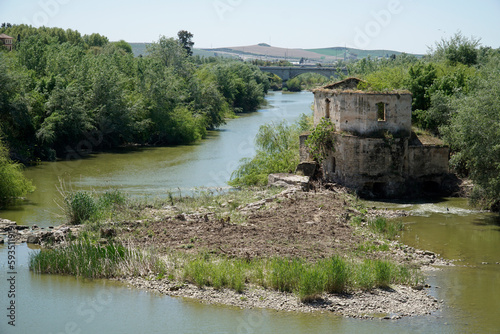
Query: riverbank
column 394, row 303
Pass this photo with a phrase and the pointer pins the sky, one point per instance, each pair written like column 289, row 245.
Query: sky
column 410, row 26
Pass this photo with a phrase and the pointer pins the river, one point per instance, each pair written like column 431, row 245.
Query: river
column 59, row 304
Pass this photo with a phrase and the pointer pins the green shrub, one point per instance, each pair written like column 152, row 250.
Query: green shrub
column 13, row 184
column 81, row 207
column 320, row 142
column 84, row 206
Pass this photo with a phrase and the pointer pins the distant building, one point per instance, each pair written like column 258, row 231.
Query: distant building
column 375, row 151
column 6, row 41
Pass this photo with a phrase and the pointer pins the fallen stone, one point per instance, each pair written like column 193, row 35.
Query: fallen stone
column 33, row 239
column 288, row 180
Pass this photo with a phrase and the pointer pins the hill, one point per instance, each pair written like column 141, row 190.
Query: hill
column 351, row 53
column 267, row 52
column 141, row 49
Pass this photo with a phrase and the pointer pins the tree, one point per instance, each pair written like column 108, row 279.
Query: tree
column 121, row 44
column 458, row 49
column 186, row 40
column 473, row 133
column 277, row 151
column 421, row 77
column 13, row 184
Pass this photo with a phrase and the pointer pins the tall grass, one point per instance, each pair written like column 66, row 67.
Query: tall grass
column 220, row 273
column 86, row 258
column 388, row 228
column 307, row 280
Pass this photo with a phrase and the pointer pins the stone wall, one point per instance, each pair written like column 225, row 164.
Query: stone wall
column 428, row 160
column 359, row 162
column 357, row 111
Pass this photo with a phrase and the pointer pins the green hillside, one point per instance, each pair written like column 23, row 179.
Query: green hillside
column 352, row 53
column 141, row 49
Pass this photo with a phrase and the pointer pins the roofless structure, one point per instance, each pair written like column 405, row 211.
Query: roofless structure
column 375, row 151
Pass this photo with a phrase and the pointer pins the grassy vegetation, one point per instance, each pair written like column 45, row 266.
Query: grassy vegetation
column 306, row 279
column 90, row 259
column 388, row 229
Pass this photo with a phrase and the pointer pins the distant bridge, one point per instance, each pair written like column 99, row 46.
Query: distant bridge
column 289, row 72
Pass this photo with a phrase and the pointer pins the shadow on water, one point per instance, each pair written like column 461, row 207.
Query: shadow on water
column 493, row 219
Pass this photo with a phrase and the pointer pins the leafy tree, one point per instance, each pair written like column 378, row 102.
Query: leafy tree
column 277, row 151
column 61, row 91
column 457, row 49
column 473, row 133
column 171, row 54
column 13, row 184
column 124, row 46
column 68, row 121
column 294, row 85
column 186, row 40
column 420, row 77
column 95, row 40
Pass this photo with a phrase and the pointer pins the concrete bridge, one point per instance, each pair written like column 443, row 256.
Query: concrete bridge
column 287, row 73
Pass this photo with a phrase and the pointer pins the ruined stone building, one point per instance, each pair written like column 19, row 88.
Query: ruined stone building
column 375, row 151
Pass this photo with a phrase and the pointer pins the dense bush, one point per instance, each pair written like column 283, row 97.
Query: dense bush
column 13, row 184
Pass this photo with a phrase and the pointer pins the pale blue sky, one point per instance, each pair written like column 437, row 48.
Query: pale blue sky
column 402, row 25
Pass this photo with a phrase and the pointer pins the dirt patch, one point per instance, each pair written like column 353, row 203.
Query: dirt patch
column 300, row 224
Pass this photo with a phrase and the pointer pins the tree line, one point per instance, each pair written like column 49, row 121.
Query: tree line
column 61, row 91
column 63, row 95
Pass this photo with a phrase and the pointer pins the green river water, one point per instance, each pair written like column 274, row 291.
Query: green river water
column 59, row 304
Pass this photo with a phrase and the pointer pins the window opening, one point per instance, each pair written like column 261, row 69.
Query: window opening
column 381, row 111
column 327, row 108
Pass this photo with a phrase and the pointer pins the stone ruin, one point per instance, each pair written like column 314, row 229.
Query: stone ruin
column 375, row 150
